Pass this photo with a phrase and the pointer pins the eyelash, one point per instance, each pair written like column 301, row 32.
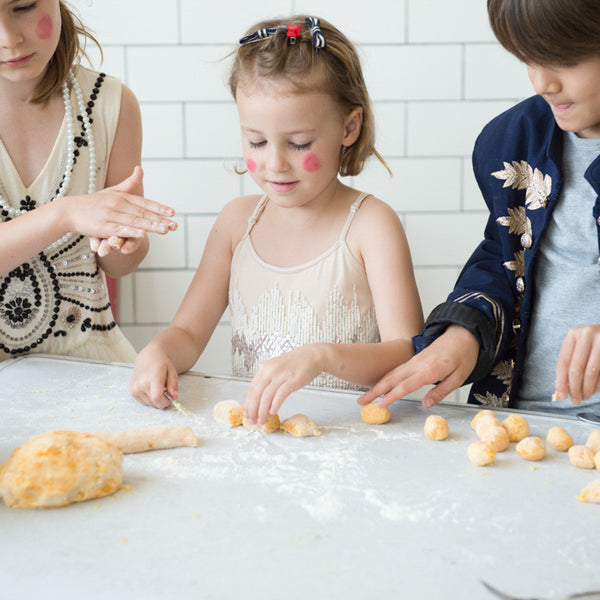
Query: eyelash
column 25, row 7
column 299, row 147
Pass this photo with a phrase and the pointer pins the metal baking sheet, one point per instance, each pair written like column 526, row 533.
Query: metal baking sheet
column 360, row 512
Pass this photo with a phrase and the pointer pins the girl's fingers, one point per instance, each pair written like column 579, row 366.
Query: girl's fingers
column 562, row 367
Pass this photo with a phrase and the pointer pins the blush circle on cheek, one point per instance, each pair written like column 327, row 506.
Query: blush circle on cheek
column 43, row 29
column 251, row 165
column 311, row 163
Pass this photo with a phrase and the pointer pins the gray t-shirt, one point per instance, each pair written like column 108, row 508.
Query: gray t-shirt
column 567, row 279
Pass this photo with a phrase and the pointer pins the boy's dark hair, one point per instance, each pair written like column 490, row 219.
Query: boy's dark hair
column 546, row 32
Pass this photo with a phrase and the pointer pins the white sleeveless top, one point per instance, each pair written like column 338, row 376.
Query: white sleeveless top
column 276, row 309
column 57, row 302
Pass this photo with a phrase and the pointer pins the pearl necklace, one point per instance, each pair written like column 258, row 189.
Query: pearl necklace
column 66, row 180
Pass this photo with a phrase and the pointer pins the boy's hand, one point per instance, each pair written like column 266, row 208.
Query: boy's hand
column 447, row 362
column 578, row 365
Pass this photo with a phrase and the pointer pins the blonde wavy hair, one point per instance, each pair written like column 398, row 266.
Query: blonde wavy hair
column 70, row 51
column 335, row 70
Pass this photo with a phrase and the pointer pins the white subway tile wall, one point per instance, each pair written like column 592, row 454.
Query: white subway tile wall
column 435, row 73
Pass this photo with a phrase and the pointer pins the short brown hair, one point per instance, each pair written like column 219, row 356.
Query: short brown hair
column 546, row 32
column 70, row 50
column 335, row 70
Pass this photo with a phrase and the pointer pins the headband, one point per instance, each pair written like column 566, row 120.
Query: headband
column 293, row 31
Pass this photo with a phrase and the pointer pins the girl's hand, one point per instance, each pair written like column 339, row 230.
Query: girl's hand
column 117, row 211
column 114, row 244
column 578, row 365
column 153, row 376
column 277, row 378
column 447, row 363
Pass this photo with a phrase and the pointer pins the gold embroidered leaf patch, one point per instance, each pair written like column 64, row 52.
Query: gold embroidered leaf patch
column 517, row 265
column 504, row 371
column 516, row 221
column 520, row 176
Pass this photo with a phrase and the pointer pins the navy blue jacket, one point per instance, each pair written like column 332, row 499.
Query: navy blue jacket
column 517, row 163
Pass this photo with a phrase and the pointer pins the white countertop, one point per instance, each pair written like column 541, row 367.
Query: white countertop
column 360, row 512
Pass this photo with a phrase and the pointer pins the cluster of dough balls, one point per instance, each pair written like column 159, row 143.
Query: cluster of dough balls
column 231, row 412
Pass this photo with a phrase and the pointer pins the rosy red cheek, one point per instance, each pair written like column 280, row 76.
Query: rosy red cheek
column 251, row 165
column 44, row 27
column 311, row 163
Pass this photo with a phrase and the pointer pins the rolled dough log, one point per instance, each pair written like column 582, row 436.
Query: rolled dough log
column 60, row 467
column 158, row 437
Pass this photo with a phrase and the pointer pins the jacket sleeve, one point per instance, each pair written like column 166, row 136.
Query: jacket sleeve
column 483, row 300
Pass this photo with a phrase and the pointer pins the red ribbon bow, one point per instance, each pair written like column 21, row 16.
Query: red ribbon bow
column 293, row 31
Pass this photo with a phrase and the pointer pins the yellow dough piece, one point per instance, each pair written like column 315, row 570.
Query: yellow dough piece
column 373, row 414
column 300, row 426
column 229, row 412
column 60, row 467
column 591, row 492
column 159, row 437
column 496, row 437
column 597, row 460
column 593, row 441
column 436, row 428
column 270, row 426
column 517, row 427
column 481, row 454
column 532, row 448
column 582, row 457
column 559, row 439
column 485, row 422
column 483, row 414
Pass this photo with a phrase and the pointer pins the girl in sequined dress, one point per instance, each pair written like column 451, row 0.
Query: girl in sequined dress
column 317, row 275
column 65, row 132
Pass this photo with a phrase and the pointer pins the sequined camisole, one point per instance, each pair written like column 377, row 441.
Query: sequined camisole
column 276, row 309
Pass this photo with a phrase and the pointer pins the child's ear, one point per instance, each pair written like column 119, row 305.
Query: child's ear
column 352, row 126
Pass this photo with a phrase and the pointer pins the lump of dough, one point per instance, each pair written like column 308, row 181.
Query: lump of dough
column 229, row 412
column 517, row 427
column 271, row 425
column 483, row 414
column 532, row 448
column 559, row 439
column 582, row 457
column 481, row 454
column 597, row 460
column 593, row 441
column 496, row 437
column 300, row 426
column 373, row 414
column 60, row 467
column 591, row 492
column 436, row 428
column 484, row 422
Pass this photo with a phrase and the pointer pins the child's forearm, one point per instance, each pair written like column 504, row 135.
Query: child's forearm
column 363, row 364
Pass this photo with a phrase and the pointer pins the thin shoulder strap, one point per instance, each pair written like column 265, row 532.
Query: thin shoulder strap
column 253, row 218
column 353, row 209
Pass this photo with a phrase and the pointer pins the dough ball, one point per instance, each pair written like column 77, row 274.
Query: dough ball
column 481, row 454
column 485, row 422
column 517, row 427
column 373, row 414
column 436, row 428
column 593, row 441
column 482, row 414
column 496, row 437
column 270, row 426
column 591, row 492
column 532, row 448
column 582, row 457
column 559, row 439
column 300, row 426
column 60, row 467
column 597, row 460
column 229, row 412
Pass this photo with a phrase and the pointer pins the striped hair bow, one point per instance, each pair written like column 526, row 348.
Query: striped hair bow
column 318, row 39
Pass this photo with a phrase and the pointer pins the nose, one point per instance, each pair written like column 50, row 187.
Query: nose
column 277, row 161
column 10, row 37
column 545, row 80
